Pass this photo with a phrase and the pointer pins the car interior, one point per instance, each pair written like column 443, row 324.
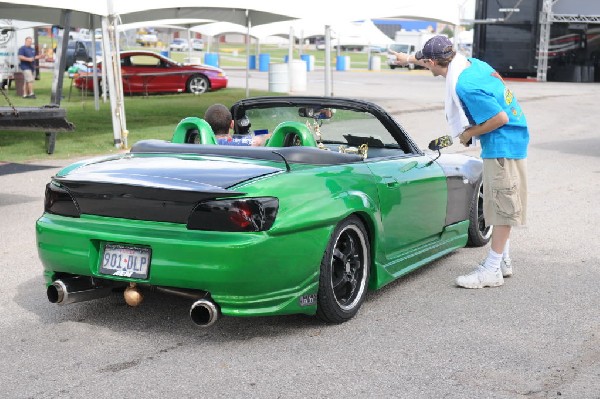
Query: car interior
column 309, row 134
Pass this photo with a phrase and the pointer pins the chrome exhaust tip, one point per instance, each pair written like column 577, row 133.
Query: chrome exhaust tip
column 204, row 312
column 76, row 289
column 56, row 292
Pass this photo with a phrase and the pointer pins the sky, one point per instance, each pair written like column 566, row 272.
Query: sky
column 469, row 8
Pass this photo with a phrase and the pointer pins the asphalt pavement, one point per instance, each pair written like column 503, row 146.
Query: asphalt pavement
column 538, row 336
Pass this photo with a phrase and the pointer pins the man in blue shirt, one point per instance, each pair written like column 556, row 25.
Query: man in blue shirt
column 27, row 57
column 220, row 120
column 479, row 105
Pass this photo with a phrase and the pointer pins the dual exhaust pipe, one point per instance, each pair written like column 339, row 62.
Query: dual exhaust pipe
column 203, row 312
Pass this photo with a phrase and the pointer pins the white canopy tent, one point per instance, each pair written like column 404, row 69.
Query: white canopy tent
column 223, row 28
column 169, row 23
column 67, row 14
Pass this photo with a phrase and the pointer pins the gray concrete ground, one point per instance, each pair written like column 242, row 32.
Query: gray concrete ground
column 538, row 336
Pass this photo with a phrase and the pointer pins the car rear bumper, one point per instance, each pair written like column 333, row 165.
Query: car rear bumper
column 247, row 274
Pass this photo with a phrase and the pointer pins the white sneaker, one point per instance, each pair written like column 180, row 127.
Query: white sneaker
column 506, row 267
column 479, row 278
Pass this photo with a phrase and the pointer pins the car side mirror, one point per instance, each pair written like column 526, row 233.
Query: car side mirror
column 439, row 143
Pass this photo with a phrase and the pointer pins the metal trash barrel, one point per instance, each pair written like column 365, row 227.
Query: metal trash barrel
column 299, row 77
column 279, row 78
column 375, row 64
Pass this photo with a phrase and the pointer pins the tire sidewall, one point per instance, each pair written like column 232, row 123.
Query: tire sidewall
column 476, row 238
column 328, row 309
column 197, row 77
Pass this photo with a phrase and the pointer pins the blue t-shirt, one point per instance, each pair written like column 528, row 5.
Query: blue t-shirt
column 236, row 139
column 483, row 95
column 28, row 52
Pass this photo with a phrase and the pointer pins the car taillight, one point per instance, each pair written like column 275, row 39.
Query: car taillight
column 59, row 201
column 243, row 214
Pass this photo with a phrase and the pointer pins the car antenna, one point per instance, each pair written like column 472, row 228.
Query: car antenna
column 287, row 165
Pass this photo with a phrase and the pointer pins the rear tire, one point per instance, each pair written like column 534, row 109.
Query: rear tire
column 344, row 272
column 198, row 84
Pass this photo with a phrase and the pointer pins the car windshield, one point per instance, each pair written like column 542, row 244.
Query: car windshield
column 331, row 126
column 400, row 48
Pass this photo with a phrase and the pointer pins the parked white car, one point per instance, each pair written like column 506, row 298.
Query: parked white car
column 400, row 48
column 179, row 45
column 197, row 44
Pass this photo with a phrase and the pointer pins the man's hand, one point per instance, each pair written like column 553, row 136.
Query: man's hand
column 464, row 138
column 401, row 58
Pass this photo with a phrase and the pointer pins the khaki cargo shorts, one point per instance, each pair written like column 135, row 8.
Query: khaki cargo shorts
column 505, row 191
column 28, row 75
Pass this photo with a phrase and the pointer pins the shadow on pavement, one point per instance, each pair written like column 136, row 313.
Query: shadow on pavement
column 12, row 168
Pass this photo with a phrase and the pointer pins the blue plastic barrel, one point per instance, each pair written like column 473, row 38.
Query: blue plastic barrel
column 263, row 62
column 309, row 61
column 252, row 62
column 286, row 58
column 340, row 63
column 211, row 59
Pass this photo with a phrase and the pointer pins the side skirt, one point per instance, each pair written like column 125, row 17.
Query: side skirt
column 453, row 237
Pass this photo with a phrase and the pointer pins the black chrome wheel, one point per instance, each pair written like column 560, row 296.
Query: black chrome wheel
column 344, row 272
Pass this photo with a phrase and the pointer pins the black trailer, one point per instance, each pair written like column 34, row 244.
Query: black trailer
column 507, row 36
column 49, row 119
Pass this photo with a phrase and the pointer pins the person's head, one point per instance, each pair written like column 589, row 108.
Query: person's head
column 437, row 53
column 28, row 41
column 219, row 118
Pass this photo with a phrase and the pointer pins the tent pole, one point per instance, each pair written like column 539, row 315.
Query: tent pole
column 189, row 40
column 110, row 59
column 59, row 72
column 61, row 55
column 94, row 60
column 290, row 60
column 119, row 82
column 328, row 90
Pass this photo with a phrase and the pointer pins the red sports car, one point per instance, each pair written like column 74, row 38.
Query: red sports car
column 148, row 72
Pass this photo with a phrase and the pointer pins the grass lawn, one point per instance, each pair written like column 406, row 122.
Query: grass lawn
column 235, row 56
column 154, row 116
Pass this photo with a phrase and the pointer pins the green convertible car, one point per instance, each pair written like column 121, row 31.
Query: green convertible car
column 338, row 201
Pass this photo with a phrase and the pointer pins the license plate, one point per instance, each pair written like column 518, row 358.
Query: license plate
column 125, row 260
